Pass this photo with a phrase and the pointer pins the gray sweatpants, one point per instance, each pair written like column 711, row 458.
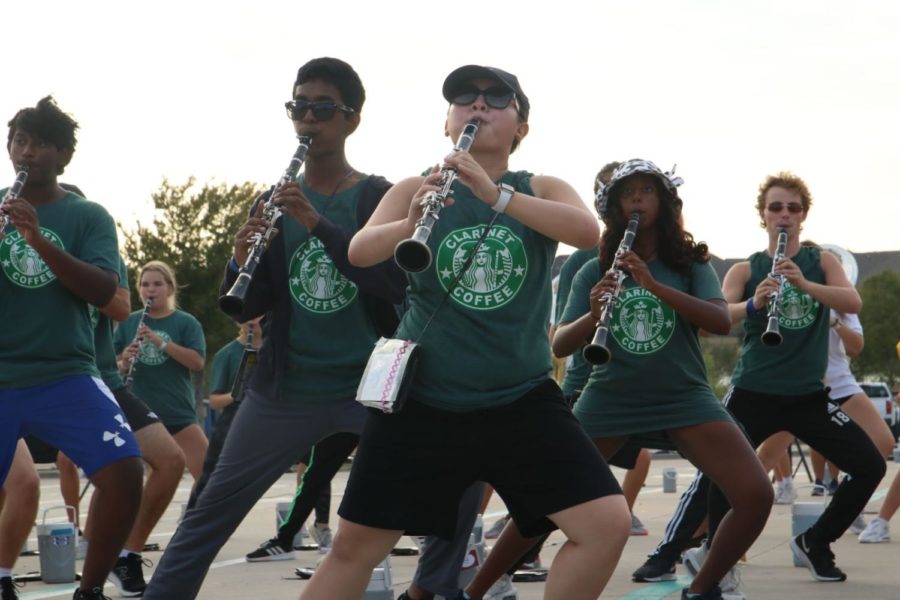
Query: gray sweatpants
column 441, row 560
column 267, row 436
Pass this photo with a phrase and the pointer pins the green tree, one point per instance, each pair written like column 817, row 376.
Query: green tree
column 881, row 322
column 193, row 231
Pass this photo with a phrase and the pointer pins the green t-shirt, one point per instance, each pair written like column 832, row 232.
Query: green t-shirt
column 331, row 333
column 225, row 367
column 656, row 377
column 103, row 338
column 797, row 365
column 47, row 330
column 578, row 369
column 488, row 344
column 161, row 382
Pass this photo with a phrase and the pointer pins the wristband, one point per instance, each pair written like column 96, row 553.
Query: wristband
column 751, row 309
column 162, row 346
column 506, row 192
column 233, row 266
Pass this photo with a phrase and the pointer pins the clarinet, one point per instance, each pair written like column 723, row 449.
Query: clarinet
column 245, row 369
column 12, row 194
column 232, row 303
column 413, row 255
column 772, row 335
column 129, row 377
column 597, row 352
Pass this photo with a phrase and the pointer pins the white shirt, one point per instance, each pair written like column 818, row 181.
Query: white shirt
column 837, row 375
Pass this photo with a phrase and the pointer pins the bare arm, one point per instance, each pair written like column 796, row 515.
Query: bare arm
column 392, row 221
column 852, row 340
column 119, row 307
column 837, row 292
column 733, row 288
column 220, row 400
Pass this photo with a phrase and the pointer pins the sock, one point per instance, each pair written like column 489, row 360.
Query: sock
column 5, row 572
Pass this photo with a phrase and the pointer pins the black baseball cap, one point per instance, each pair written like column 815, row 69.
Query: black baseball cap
column 469, row 72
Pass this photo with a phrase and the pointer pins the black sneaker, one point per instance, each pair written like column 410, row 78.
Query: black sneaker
column 271, row 550
column 656, row 568
column 128, row 576
column 8, row 589
column 819, row 559
column 94, row 594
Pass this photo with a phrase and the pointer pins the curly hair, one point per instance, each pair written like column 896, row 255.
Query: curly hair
column 46, row 122
column 788, row 181
column 677, row 248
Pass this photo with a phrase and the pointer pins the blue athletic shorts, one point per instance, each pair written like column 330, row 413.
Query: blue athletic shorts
column 77, row 414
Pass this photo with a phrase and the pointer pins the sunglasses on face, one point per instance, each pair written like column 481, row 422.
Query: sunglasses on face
column 777, row 207
column 321, row 111
column 497, row 97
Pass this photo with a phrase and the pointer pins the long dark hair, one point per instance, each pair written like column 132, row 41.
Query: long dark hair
column 677, row 248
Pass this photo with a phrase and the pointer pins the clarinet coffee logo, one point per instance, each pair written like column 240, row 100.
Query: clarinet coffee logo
column 315, row 282
column 798, row 310
column 22, row 264
column 94, row 313
column 496, row 273
column 150, row 354
column 642, row 324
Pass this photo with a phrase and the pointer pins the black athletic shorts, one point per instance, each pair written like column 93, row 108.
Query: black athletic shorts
column 411, row 468
column 42, row 453
column 138, row 414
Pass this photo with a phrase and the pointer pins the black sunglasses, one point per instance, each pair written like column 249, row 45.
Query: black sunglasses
column 321, row 111
column 777, row 207
column 497, row 97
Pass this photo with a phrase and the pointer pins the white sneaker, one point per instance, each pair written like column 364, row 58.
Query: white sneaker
column 785, row 495
column 878, row 531
column 693, row 559
column 502, row 590
column 322, row 537
column 731, row 585
column 494, row 531
column 858, row 525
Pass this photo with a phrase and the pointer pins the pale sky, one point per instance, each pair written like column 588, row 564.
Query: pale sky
column 730, row 91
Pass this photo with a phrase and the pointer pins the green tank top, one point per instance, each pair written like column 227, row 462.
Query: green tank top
column 331, row 333
column 488, row 345
column 797, row 366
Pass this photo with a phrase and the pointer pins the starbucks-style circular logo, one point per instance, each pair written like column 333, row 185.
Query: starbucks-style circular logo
column 641, row 323
column 497, row 270
column 315, row 282
column 22, row 264
column 94, row 313
column 798, row 310
column 151, row 355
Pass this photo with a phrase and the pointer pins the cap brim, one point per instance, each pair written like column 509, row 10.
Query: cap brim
column 468, row 73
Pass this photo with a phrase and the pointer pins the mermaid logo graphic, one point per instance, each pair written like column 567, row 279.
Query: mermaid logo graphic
column 642, row 324
column 497, row 270
column 315, row 282
column 798, row 310
column 149, row 354
column 22, row 264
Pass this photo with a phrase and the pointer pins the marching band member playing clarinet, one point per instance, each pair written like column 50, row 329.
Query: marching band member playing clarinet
column 168, row 344
column 780, row 388
column 482, row 405
column 670, row 292
column 59, row 256
column 322, row 316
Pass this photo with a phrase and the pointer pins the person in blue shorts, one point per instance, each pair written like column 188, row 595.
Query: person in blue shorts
column 58, row 256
